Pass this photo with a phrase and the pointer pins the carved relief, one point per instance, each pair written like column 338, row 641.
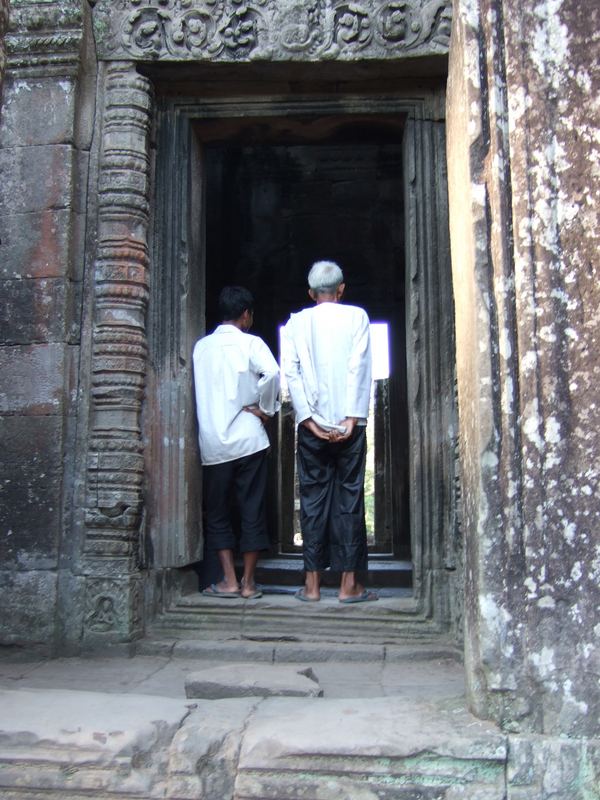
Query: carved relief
column 115, row 462
column 113, row 607
column 401, row 25
column 44, row 37
column 302, row 29
column 101, row 615
column 288, row 29
column 352, row 26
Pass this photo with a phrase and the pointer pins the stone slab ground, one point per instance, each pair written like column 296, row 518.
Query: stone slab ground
column 385, row 730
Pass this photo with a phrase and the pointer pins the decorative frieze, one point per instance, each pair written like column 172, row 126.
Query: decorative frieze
column 115, row 463
column 277, row 30
column 43, row 36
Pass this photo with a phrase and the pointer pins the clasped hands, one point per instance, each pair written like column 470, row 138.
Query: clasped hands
column 331, row 436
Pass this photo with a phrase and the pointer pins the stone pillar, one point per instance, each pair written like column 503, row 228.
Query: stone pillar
column 43, row 165
column 522, row 155
column 115, row 461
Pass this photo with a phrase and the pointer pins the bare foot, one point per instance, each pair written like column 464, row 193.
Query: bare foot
column 302, row 594
column 222, row 589
column 250, row 591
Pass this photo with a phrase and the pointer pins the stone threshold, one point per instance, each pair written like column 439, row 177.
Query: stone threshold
column 270, row 652
column 278, row 617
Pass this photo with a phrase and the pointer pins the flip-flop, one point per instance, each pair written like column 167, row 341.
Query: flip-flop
column 254, row 596
column 364, row 597
column 212, row 591
column 300, row 595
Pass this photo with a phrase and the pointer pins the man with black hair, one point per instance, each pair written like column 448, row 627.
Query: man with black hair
column 237, row 386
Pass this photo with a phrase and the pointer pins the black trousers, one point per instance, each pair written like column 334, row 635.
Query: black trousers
column 332, row 501
column 246, row 477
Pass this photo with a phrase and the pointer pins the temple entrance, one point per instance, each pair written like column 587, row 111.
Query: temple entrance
column 252, row 189
column 281, row 194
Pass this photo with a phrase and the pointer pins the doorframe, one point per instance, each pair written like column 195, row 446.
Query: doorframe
column 178, row 264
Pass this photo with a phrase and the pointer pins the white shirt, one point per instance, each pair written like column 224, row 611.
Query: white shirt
column 233, row 369
column 326, row 352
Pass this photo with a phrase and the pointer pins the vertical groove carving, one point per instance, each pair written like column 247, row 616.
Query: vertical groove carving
column 115, row 464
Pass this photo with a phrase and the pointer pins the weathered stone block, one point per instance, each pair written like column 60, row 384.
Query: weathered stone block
column 35, row 245
column 37, row 111
column 31, row 471
column 33, row 378
column 28, row 602
column 34, row 311
column 553, row 769
column 252, row 680
column 34, row 179
column 330, row 747
column 204, row 752
column 95, row 744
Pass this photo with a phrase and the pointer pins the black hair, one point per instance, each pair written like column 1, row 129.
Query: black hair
column 233, row 301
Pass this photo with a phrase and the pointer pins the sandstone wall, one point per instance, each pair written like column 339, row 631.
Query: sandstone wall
column 43, row 164
column 523, row 169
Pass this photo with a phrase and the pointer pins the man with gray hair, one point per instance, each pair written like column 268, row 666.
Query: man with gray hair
column 327, row 362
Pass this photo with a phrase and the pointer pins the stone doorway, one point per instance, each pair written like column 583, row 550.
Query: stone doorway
column 281, row 193
column 204, row 236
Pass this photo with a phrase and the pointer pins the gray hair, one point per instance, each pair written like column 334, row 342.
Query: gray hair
column 325, row 277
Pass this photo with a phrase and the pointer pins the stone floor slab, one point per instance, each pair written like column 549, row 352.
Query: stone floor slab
column 376, row 748
column 252, row 680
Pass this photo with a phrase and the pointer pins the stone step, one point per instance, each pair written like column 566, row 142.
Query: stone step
column 285, row 652
column 280, row 617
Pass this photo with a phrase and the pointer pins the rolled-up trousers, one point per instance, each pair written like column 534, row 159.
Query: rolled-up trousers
column 332, row 501
column 246, row 479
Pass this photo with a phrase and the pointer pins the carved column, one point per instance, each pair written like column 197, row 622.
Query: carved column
column 115, row 461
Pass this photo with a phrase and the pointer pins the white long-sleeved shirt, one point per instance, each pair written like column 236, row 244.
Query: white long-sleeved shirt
column 233, row 369
column 326, row 352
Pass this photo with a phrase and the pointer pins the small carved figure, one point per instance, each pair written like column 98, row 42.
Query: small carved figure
column 103, row 617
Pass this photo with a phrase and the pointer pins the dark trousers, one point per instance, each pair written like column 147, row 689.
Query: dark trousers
column 246, row 478
column 332, row 501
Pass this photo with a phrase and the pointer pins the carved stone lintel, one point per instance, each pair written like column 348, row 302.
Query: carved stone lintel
column 278, row 30
column 115, row 460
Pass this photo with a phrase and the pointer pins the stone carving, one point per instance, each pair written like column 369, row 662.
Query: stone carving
column 115, row 463
column 400, row 24
column 101, row 614
column 303, row 30
column 113, row 607
column 283, row 30
column 352, row 27
column 44, row 37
